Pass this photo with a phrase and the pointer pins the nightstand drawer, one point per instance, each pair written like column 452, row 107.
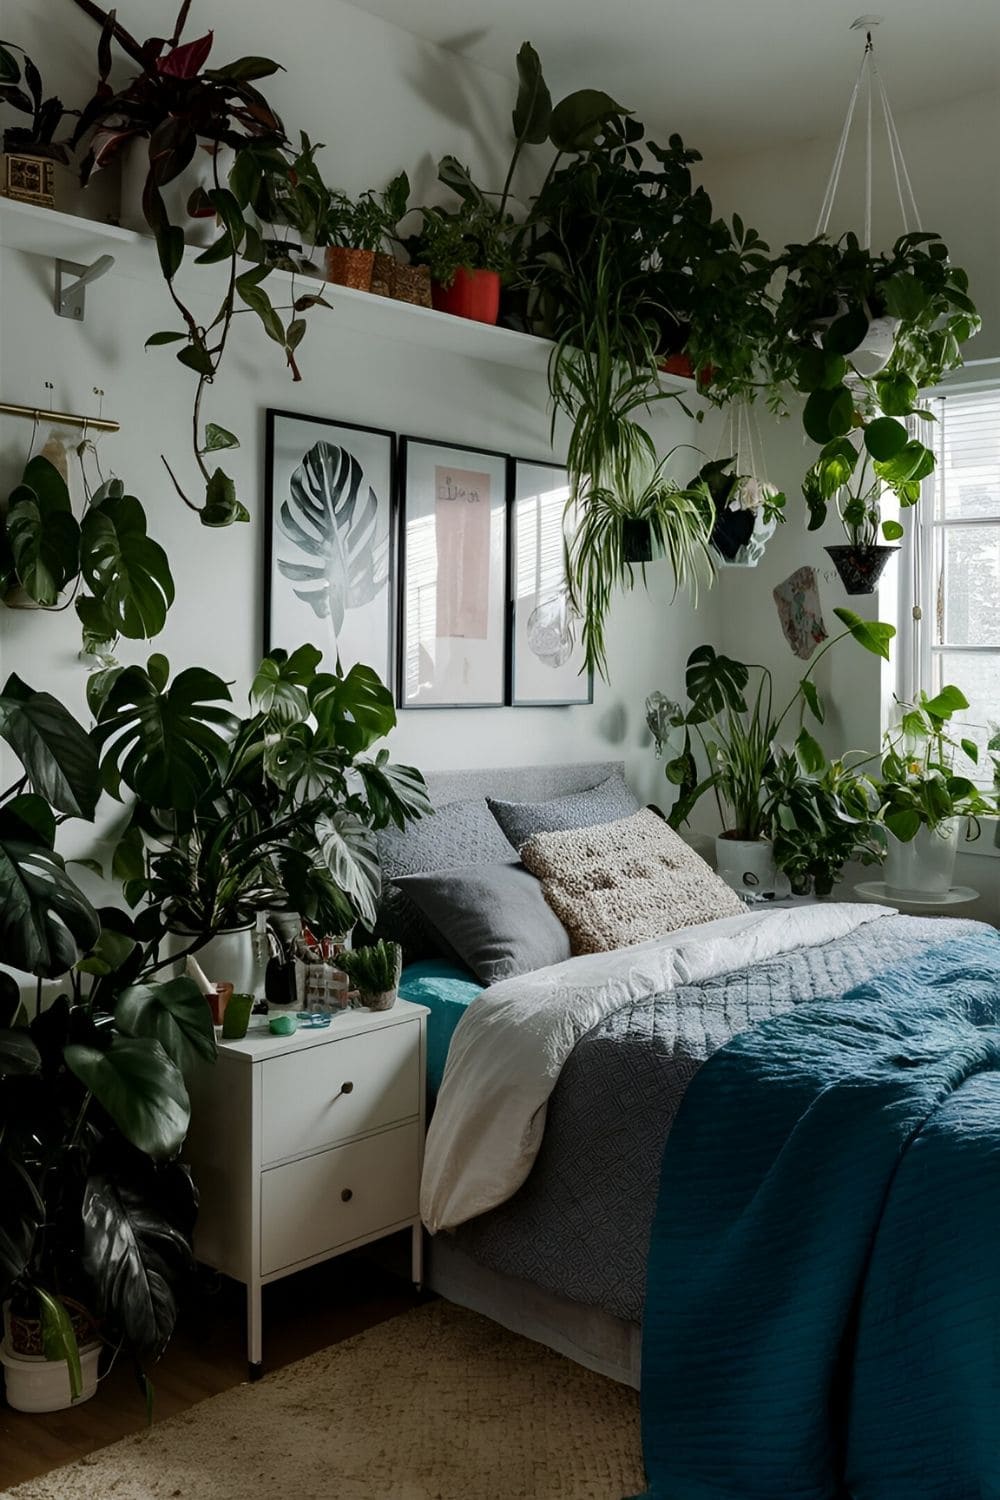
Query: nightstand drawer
column 338, row 1089
column 314, row 1205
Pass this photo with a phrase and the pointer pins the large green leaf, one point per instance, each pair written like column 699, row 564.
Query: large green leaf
column 533, row 109
column 57, row 753
column 279, row 687
column 828, row 413
column 23, row 1215
column 577, row 120
column 140, row 1087
column 884, row 438
column 59, row 1339
column 18, row 1053
column 44, row 541
column 46, row 922
column 350, row 853
column 395, row 793
column 714, row 683
column 353, row 711
column 163, row 742
column 874, row 635
column 132, row 1255
column 125, row 568
column 950, row 700
column 175, row 1013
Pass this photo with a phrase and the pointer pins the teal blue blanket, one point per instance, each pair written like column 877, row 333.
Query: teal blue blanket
column 823, row 1301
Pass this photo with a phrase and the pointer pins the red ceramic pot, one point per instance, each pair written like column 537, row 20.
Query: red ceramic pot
column 473, row 294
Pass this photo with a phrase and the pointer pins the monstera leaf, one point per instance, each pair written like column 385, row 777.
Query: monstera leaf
column 331, row 517
column 46, row 922
column 58, row 755
column 126, row 570
column 350, row 853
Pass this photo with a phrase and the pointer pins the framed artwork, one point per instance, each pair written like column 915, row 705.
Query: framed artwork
column 453, row 565
column 547, row 660
column 328, row 567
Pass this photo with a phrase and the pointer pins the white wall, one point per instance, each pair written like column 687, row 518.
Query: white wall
column 381, row 100
column 951, row 155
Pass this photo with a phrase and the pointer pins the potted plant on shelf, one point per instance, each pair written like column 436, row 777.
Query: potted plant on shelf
column 277, row 810
column 923, row 800
column 374, row 971
column 738, row 729
column 93, row 1107
column 355, row 233
column 467, row 251
column 31, row 152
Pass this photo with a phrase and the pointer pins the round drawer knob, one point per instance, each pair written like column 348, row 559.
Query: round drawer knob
column 347, row 1088
column 346, row 1195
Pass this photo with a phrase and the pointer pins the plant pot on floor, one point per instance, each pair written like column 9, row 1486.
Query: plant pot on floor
column 472, row 294
column 924, row 866
column 36, row 1385
column 860, row 568
column 349, row 267
column 747, row 865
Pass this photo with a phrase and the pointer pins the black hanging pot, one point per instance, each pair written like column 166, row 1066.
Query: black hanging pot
column 731, row 532
column 860, row 568
column 637, row 541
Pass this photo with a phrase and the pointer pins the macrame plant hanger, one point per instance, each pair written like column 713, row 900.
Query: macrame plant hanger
column 741, row 438
column 869, row 85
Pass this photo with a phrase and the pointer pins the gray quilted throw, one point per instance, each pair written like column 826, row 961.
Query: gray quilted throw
column 580, row 1224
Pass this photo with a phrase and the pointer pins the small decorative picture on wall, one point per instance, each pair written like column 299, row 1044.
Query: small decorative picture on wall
column 453, row 561
column 547, row 664
column 328, row 540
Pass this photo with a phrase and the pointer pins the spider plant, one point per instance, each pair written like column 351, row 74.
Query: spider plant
column 633, row 513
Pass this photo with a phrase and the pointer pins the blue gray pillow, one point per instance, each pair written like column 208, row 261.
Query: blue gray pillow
column 493, row 916
column 604, row 803
column 459, row 833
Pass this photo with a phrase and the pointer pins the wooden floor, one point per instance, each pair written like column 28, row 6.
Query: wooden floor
column 302, row 1313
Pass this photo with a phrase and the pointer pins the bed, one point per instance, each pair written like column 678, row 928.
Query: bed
column 546, row 1151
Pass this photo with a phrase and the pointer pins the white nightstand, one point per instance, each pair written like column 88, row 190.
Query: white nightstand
column 305, row 1146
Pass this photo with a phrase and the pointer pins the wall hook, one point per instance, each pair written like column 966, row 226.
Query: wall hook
column 70, row 298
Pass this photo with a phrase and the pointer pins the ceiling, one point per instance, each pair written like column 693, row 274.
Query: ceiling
column 730, row 75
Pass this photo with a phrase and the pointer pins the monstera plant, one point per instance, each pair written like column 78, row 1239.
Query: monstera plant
column 46, row 553
column 97, row 1210
column 235, row 816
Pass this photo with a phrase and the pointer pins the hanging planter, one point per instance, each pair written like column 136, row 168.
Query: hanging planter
column 860, row 568
column 637, row 541
column 747, row 508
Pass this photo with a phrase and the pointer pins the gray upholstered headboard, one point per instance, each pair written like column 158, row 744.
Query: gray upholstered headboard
column 519, row 783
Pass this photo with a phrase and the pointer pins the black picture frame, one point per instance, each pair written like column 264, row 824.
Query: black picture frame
column 553, row 591
column 414, row 454
column 281, row 626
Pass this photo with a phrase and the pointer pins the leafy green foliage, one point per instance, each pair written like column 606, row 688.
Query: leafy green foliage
column 373, row 969
column 918, row 785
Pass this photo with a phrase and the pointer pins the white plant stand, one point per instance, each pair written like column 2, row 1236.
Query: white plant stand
column 879, row 892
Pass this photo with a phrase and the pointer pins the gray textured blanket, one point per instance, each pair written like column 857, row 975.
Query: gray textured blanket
column 580, row 1225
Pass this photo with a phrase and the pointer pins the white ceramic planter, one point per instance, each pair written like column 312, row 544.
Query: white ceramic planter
column 926, row 865
column 747, row 865
column 34, row 1384
column 199, row 173
column 229, row 957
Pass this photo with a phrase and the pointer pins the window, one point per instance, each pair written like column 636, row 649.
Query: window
column 951, row 565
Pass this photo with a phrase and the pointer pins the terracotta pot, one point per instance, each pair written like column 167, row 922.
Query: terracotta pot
column 353, row 268
column 412, row 284
column 678, row 364
column 860, row 568
column 473, row 294
column 383, row 275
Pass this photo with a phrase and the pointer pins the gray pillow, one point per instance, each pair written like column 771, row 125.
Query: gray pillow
column 493, row 916
column 459, row 833
column 604, row 803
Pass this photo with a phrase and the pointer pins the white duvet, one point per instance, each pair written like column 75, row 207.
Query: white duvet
column 510, row 1046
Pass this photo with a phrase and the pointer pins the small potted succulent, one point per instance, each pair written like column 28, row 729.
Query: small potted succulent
column 374, row 971
column 30, row 150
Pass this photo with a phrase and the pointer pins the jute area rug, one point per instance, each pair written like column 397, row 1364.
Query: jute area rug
column 438, row 1404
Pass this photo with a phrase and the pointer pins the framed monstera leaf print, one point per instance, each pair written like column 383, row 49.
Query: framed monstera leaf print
column 329, row 540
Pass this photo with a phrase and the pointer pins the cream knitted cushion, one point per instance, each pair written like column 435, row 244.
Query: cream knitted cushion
column 621, row 883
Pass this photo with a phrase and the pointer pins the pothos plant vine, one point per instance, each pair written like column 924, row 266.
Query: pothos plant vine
column 180, row 106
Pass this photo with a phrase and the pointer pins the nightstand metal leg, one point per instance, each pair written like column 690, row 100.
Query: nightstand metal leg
column 417, row 1262
column 255, row 1331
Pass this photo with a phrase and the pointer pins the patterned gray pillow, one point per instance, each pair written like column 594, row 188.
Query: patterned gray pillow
column 604, row 803
column 459, row 833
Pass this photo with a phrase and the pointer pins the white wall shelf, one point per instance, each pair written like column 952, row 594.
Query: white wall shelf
column 44, row 231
